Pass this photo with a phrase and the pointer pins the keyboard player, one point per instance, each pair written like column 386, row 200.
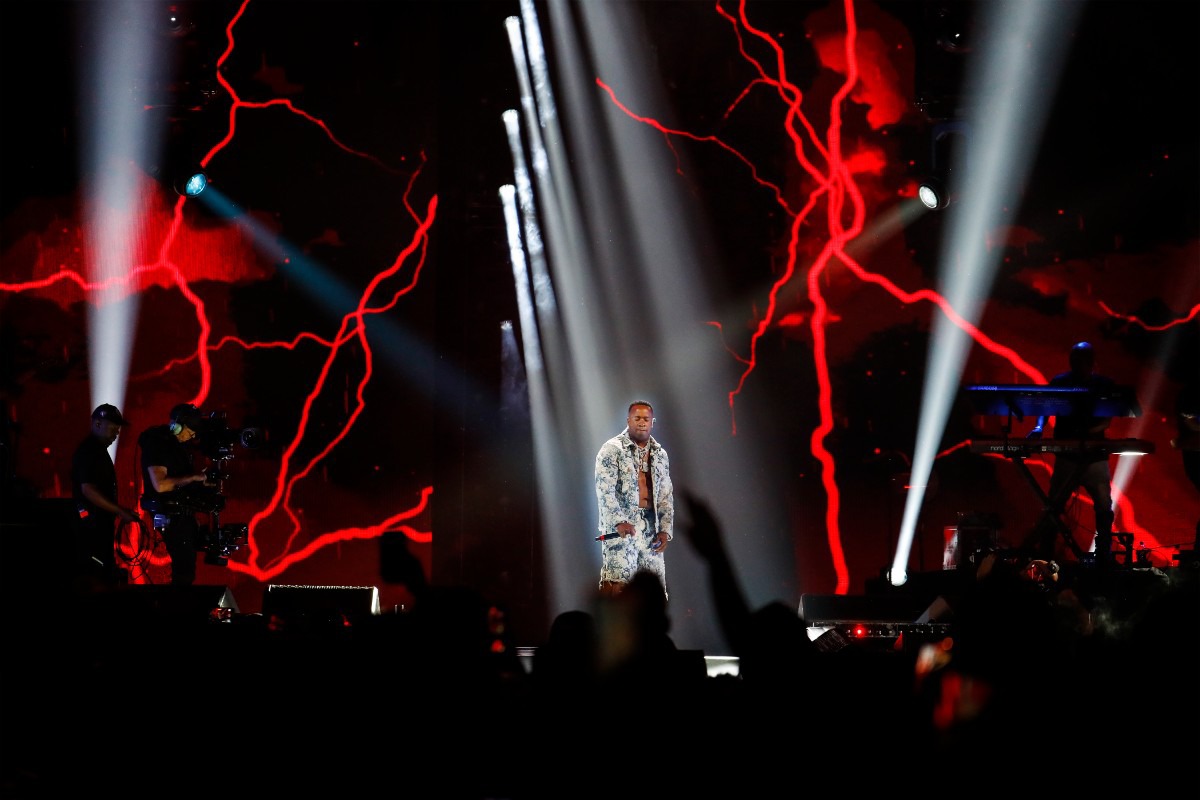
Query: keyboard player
column 1073, row 470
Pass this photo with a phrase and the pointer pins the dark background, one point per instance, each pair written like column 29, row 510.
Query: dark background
column 411, row 94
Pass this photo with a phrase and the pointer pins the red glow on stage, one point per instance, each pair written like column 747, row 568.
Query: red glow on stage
column 841, row 50
column 177, row 257
column 807, row 131
column 352, row 330
column 845, row 214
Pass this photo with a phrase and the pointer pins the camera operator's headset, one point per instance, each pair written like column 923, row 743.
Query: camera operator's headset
column 184, row 413
column 181, row 415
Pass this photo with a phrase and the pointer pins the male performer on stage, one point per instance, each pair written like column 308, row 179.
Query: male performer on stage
column 1075, row 469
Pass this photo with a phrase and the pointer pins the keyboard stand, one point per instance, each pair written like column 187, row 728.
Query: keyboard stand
column 1052, row 510
column 1022, row 400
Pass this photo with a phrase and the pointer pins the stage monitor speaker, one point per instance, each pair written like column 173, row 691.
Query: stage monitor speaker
column 309, row 606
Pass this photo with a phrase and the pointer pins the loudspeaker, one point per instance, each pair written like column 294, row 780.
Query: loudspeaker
column 307, row 606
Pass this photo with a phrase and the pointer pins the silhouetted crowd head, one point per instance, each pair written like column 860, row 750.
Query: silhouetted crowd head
column 1048, row 674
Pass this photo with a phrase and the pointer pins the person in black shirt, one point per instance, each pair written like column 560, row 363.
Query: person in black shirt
column 94, row 489
column 1087, row 470
column 174, row 489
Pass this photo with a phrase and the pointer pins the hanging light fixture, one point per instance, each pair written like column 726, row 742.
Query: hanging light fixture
column 190, row 183
column 941, row 186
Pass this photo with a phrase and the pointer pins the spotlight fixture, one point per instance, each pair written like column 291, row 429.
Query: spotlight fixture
column 190, row 183
column 932, row 193
column 940, row 187
column 178, row 164
column 183, row 174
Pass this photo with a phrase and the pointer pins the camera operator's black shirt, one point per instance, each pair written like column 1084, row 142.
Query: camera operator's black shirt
column 160, row 448
column 92, row 464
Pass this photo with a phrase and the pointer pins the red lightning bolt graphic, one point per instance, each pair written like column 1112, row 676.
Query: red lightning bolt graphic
column 1191, row 315
column 351, row 333
column 844, row 218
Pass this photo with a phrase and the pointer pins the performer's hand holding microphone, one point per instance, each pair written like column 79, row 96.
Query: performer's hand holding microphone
column 623, row 529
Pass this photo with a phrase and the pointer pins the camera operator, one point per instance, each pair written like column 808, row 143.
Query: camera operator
column 174, row 489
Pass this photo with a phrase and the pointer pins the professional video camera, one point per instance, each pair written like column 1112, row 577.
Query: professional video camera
column 217, row 439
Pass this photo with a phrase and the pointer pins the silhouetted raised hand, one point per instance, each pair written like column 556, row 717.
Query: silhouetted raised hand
column 703, row 533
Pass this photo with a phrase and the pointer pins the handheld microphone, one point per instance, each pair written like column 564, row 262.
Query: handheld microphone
column 608, row 536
